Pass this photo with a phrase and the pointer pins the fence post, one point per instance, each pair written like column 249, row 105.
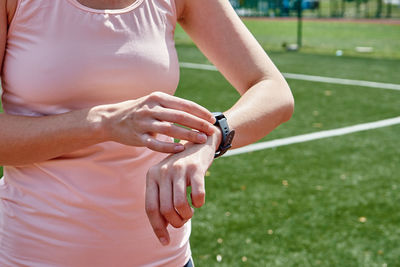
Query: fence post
column 389, row 9
column 343, row 7
column 299, row 23
column 358, row 3
column 378, row 8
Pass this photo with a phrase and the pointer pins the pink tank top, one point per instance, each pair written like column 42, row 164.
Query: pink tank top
column 85, row 208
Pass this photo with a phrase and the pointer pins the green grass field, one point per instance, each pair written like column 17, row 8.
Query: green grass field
column 324, row 37
column 330, row 202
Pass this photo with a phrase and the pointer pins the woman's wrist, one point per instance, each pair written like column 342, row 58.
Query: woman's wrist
column 216, row 138
column 212, row 143
column 98, row 123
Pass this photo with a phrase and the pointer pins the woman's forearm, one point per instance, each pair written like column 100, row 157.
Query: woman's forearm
column 137, row 122
column 260, row 109
column 25, row 140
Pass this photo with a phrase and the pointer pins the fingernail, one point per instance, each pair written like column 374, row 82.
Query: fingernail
column 179, row 148
column 202, row 137
column 163, row 241
column 213, row 119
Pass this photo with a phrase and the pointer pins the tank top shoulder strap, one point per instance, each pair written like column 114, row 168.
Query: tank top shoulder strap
column 168, row 7
column 25, row 11
column 171, row 5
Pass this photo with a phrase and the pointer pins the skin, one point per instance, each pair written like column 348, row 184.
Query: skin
column 266, row 101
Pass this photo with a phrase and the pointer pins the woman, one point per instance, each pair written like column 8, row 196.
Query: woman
column 84, row 181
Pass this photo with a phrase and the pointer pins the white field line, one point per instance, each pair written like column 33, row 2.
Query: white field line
column 304, row 77
column 314, row 136
column 321, row 79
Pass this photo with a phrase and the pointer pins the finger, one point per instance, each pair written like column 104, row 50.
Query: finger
column 167, row 208
column 161, row 146
column 175, row 131
column 157, row 221
column 198, row 194
column 188, row 106
column 185, row 119
column 180, row 199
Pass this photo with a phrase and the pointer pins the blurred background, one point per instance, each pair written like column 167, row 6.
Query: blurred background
column 332, row 201
column 319, row 8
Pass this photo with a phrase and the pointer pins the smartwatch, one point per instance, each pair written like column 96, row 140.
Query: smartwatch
column 227, row 134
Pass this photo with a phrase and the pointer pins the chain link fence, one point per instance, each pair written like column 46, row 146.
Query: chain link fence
column 319, row 8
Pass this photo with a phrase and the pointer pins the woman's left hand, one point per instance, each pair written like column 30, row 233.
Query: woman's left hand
column 166, row 198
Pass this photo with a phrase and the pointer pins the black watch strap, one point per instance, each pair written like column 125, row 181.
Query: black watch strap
column 227, row 134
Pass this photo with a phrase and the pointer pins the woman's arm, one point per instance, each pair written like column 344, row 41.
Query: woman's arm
column 266, row 98
column 3, row 30
column 266, row 101
column 25, row 140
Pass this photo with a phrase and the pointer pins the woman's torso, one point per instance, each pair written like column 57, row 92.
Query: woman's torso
column 85, row 57
column 85, row 208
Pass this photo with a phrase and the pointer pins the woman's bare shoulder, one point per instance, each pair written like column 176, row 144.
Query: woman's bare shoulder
column 11, row 6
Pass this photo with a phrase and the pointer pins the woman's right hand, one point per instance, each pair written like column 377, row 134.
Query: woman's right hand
column 137, row 122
